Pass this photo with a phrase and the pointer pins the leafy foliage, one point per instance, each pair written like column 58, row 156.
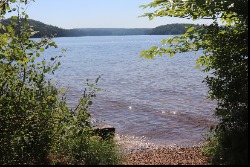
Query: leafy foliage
column 225, row 54
column 35, row 121
column 27, row 101
column 76, row 140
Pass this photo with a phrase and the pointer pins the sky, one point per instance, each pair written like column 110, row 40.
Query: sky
column 97, row 14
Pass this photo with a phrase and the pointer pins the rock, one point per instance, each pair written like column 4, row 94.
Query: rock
column 105, row 132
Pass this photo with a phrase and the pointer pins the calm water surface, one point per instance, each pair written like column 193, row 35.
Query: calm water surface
column 162, row 100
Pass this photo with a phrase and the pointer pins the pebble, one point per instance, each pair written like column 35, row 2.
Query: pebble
column 138, row 151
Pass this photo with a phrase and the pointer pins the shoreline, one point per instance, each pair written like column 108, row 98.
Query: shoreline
column 131, row 144
column 166, row 156
column 138, row 151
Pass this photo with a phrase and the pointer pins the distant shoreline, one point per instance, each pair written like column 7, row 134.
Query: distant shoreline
column 50, row 30
column 105, row 36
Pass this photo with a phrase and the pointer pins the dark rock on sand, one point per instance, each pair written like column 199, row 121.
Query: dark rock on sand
column 105, row 132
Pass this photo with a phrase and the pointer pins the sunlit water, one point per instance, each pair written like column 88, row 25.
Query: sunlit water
column 162, row 100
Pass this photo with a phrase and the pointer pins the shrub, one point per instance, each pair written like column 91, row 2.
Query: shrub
column 35, row 122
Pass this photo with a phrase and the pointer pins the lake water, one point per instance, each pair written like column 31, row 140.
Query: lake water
column 162, row 100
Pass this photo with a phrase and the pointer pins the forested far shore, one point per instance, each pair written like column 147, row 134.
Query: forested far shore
column 171, row 29
column 48, row 30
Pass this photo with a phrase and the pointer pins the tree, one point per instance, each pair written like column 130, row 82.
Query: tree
column 225, row 55
column 35, row 122
column 27, row 101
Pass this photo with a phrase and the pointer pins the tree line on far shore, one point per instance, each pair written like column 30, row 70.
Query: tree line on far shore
column 48, row 30
column 171, row 29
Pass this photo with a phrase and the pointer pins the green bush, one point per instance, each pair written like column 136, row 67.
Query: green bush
column 36, row 126
column 27, row 101
column 85, row 149
column 77, row 143
column 27, row 123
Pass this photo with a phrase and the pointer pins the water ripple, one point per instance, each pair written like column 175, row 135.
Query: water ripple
column 162, row 99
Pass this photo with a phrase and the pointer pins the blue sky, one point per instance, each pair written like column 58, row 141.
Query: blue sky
column 97, row 14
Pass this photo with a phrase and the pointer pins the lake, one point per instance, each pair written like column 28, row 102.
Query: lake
column 162, row 100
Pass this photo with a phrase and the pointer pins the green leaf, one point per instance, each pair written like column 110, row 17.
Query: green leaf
column 42, row 49
column 83, row 101
column 190, row 29
column 171, row 54
column 91, row 85
column 63, row 90
column 163, row 41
